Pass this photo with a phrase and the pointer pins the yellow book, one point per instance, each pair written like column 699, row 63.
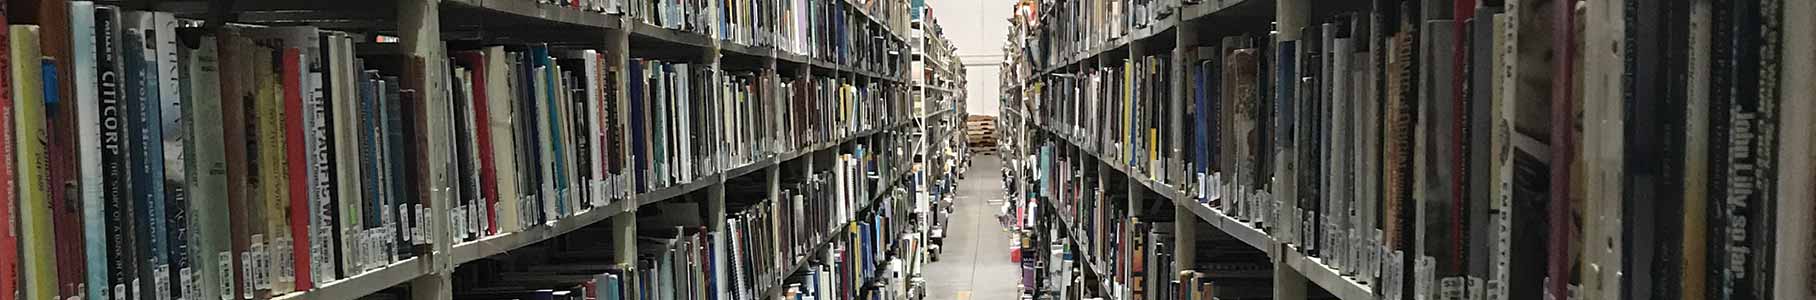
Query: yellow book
column 37, row 242
column 272, row 180
column 1128, row 111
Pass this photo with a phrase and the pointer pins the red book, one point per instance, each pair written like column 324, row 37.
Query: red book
column 1563, row 138
column 297, row 168
column 9, row 243
column 52, row 18
column 488, row 174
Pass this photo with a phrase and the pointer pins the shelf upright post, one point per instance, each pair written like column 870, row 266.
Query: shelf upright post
column 1185, row 223
column 624, row 225
column 1289, row 284
column 419, row 29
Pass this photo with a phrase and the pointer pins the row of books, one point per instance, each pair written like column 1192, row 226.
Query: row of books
column 1068, row 28
column 321, row 162
column 831, row 30
column 184, row 162
column 675, row 263
column 854, row 264
column 1369, row 141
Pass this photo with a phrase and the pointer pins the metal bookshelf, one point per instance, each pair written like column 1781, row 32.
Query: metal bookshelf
column 421, row 26
column 1178, row 29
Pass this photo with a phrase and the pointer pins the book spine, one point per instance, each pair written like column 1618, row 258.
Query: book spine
column 207, row 170
column 66, row 216
column 344, row 117
column 1792, row 277
column 234, row 95
column 558, row 183
column 317, row 133
column 482, row 133
column 37, row 238
column 272, row 177
column 500, row 121
column 114, row 152
column 10, row 266
column 297, row 184
column 162, row 44
column 86, row 106
column 372, row 189
column 153, row 270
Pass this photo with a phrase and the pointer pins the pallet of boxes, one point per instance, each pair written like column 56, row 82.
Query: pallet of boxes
column 980, row 134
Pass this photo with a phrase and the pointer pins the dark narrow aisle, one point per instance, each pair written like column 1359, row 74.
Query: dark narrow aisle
column 975, row 262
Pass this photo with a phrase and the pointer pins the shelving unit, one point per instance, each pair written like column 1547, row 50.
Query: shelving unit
column 427, row 28
column 1407, row 149
column 938, row 95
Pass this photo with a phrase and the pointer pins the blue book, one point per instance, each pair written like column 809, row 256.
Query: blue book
column 1283, row 102
column 530, row 172
column 400, row 188
column 146, row 164
column 1201, row 127
column 371, row 188
column 540, row 58
column 638, row 136
column 1214, row 117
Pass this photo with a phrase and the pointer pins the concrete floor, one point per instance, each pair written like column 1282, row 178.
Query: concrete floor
column 975, row 261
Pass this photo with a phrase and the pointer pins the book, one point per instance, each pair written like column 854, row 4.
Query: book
column 38, row 239
column 10, row 245
column 207, row 172
column 145, row 159
column 85, row 104
column 1793, row 237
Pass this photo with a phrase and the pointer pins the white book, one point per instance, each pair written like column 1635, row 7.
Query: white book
column 540, row 85
column 685, row 138
column 500, row 117
column 343, row 100
column 595, row 134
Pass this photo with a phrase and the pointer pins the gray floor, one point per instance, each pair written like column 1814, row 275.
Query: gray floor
column 975, row 262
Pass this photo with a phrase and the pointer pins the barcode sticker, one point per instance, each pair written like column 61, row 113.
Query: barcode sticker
column 260, row 266
column 247, row 276
column 119, row 292
column 419, row 227
column 224, row 263
column 191, row 289
column 285, row 264
column 160, row 280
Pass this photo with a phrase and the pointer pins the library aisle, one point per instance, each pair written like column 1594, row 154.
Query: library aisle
column 975, row 262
